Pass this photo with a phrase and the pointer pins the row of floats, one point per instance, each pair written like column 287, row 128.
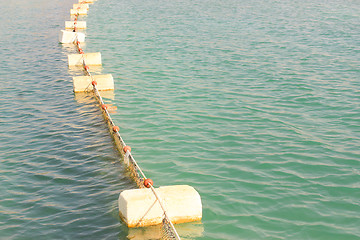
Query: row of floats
column 73, row 35
column 147, row 205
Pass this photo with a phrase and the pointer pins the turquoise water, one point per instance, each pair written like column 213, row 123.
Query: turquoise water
column 256, row 104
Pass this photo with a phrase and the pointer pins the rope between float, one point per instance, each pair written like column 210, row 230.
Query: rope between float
column 93, row 82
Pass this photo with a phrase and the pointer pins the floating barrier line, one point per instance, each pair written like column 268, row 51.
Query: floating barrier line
column 134, row 168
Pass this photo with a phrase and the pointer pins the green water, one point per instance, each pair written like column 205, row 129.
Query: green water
column 256, row 104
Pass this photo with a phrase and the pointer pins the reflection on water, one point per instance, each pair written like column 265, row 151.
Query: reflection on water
column 187, row 231
column 88, row 97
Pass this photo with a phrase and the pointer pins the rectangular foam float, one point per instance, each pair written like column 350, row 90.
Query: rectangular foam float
column 71, row 25
column 90, row 59
column 139, row 207
column 83, row 83
column 81, row 11
column 70, row 37
column 80, row 6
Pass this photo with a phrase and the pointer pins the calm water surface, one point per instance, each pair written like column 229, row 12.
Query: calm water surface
column 256, row 104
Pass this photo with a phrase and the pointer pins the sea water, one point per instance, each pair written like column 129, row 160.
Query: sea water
column 256, row 104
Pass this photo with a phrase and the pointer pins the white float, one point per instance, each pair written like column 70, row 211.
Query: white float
column 139, row 207
column 83, row 83
column 71, row 24
column 70, row 37
column 81, row 11
column 90, row 59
